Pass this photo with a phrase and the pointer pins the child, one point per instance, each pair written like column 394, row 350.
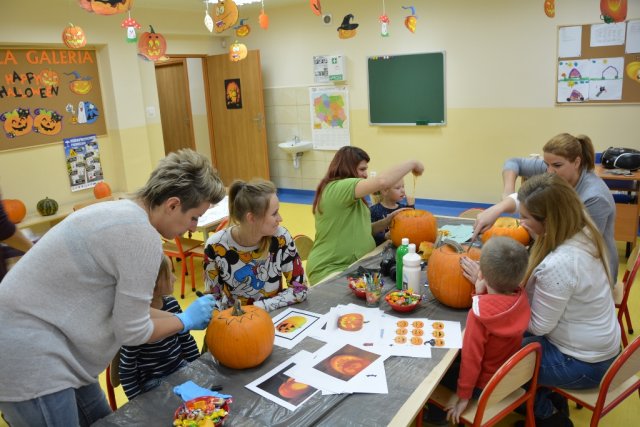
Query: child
column 142, row 367
column 495, row 326
column 389, row 201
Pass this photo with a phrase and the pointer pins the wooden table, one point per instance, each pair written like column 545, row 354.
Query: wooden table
column 210, row 220
column 410, row 380
column 627, row 214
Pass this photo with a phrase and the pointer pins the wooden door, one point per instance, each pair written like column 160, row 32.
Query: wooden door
column 175, row 105
column 237, row 117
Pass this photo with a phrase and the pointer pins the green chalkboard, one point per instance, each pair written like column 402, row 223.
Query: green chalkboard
column 407, row 90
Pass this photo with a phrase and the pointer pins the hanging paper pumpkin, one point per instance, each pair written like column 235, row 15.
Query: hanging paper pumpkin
column 73, row 37
column 243, row 29
column 152, row 46
column 550, row 8
column 613, row 10
column 263, row 20
column 131, row 25
column 46, row 122
column 86, row 5
column 412, row 20
column 316, row 8
column 225, row 15
column 237, row 51
column 110, row 7
column 346, row 30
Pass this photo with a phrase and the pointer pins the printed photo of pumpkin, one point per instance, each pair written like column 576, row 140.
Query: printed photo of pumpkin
column 346, row 362
column 438, row 334
column 225, row 15
column 438, row 342
column 402, row 331
column 291, row 390
column 416, row 340
column 17, row 122
column 351, row 322
column 402, row 323
column 284, row 387
column 47, row 122
column 400, row 339
column 291, row 324
column 74, row 37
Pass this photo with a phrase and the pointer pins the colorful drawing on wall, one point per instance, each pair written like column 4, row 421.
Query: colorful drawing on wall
column 87, row 113
column 412, row 20
column 83, row 161
column 132, row 27
column 46, row 122
column 80, row 85
column 233, row 94
column 346, row 30
column 225, row 15
column 17, row 122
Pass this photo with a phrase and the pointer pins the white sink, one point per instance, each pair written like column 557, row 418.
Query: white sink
column 296, row 146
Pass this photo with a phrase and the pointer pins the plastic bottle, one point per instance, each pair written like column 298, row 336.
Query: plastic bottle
column 411, row 270
column 403, row 249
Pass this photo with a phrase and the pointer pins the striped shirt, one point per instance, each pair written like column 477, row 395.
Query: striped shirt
column 152, row 361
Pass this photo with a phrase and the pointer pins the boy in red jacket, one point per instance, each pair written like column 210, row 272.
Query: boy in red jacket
column 496, row 322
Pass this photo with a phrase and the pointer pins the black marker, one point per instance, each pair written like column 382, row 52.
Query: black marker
column 199, row 294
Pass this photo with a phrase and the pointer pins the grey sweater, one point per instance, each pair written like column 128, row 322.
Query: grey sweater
column 79, row 294
column 593, row 192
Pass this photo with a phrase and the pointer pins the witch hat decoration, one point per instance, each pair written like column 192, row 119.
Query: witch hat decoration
column 347, row 29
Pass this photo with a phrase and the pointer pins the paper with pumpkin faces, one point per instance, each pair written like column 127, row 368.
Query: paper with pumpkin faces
column 292, row 325
column 351, row 323
column 415, row 337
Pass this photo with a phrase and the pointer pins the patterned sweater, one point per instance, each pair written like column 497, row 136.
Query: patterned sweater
column 234, row 271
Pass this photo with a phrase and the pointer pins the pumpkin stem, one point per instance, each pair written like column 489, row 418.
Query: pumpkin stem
column 237, row 309
column 455, row 245
column 151, row 28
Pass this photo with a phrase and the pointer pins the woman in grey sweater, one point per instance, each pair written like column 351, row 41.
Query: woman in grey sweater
column 85, row 289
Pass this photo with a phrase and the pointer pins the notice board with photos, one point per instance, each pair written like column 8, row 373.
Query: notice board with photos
column 47, row 95
column 598, row 64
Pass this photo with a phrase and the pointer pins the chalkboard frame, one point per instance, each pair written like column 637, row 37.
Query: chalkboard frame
column 388, row 92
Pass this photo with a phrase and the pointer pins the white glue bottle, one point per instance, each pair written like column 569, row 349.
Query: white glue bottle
column 411, row 272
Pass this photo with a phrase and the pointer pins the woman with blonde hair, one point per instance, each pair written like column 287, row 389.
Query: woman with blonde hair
column 572, row 159
column 248, row 259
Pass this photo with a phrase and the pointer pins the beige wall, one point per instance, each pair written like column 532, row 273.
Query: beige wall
column 500, row 90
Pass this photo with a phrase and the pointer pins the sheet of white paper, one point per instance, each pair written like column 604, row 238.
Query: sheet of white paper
column 605, row 78
column 351, row 324
column 406, row 337
column 459, row 233
column 607, row 34
column 282, row 389
column 569, row 42
column 444, row 333
column 292, row 325
column 215, row 213
column 633, row 37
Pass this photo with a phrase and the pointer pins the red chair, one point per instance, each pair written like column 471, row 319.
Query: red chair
column 623, row 289
column 185, row 250
column 223, row 224
column 618, row 383
column 503, row 393
column 112, row 378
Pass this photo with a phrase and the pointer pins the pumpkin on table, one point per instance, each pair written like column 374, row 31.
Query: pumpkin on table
column 47, row 207
column 240, row 337
column 415, row 224
column 15, row 210
column 507, row 227
column 444, row 273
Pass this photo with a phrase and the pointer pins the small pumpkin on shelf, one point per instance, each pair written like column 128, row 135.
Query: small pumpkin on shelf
column 47, row 207
column 101, row 190
column 15, row 210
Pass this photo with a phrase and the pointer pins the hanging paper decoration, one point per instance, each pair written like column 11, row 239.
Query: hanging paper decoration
column 263, row 19
column 346, row 30
column 152, row 46
column 74, row 37
column 613, row 10
column 208, row 21
column 316, row 8
column 225, row 15
column 550, row 8
column 412, row 20
column 110, row 7
column 237, row 51
column 243, row 29
column 131, row 25
column 384, row 22
column 86, row 5
column 633, row 71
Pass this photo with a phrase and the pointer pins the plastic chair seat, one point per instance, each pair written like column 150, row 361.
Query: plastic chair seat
column 184, row 249
column 589, row 397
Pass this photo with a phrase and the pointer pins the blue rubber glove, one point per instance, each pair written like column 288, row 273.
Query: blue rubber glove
column 198, row 314
column 191, row 390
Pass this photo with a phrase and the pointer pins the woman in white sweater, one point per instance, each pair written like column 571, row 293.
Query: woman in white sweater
column 569, row 287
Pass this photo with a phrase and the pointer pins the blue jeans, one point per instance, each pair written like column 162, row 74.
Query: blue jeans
column 65, row 408
column 559, row 370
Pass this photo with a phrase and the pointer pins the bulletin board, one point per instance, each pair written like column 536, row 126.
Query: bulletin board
column 47, row 95
column 594, row 72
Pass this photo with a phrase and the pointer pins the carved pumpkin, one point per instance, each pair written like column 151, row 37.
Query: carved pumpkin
column 416, row 225
column 47, row 122
column 550, row 8
column 508, row 227
column 351, row 322
column 47, row 207
column 446, row 282
column 425, row 250
column 49, row 77
column 237, row 52
column 15, row 210
column 17, row 122
column 110, row 7
column 290, row 389
column 290, row 324
column 152, row 45
column 101, row 190
column 74, row 37
column 348, row 364
column 240, row 337
column 225, row 15
column 613, row 10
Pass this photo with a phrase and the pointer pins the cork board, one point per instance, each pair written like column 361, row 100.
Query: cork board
column 47, row 95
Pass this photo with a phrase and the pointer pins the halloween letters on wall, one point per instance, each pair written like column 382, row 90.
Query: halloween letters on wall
column 47, row 95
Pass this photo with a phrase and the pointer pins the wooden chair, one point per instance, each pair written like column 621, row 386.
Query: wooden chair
column 112, row 378
column 304, row 244
column 503, row 393
column 618, row 383
column 623, row 289
column 185, row 250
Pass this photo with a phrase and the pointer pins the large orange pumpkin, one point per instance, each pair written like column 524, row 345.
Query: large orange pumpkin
column 15, row 210
column 101, row 190
column 446, row 282
column 508, row 227
column 416, row 225
column 240, row 337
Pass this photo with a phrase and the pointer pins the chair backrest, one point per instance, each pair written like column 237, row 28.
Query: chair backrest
column 519, row 369
column 223, row 224
column 304, row 244
column 633, row 264
column 81, row 205
column 626, row 365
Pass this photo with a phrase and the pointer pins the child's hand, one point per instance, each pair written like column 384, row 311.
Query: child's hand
column 198, row 314
column 454, row 411
column 470, row 268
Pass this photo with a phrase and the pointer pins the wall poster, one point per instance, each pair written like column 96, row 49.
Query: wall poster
column 83, row 161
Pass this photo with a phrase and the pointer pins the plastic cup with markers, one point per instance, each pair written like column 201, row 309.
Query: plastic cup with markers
column 373, row 289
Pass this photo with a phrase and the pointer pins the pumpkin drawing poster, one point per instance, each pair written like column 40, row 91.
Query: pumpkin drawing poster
column 47, row 95
column 233, row 94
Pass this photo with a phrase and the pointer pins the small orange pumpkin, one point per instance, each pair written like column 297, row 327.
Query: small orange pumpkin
column 416, row 225
column 101, row 190
column 508, row 227
column 446, row 281
column 240, row 337
column 74, row 37
column 15, row 210
column 152, row 45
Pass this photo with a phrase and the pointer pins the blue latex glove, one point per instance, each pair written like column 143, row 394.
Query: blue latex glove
column 198, row 314
column 191, row 390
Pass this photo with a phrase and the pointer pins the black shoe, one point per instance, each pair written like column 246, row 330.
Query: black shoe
column 560, row 403
column 558, row 419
